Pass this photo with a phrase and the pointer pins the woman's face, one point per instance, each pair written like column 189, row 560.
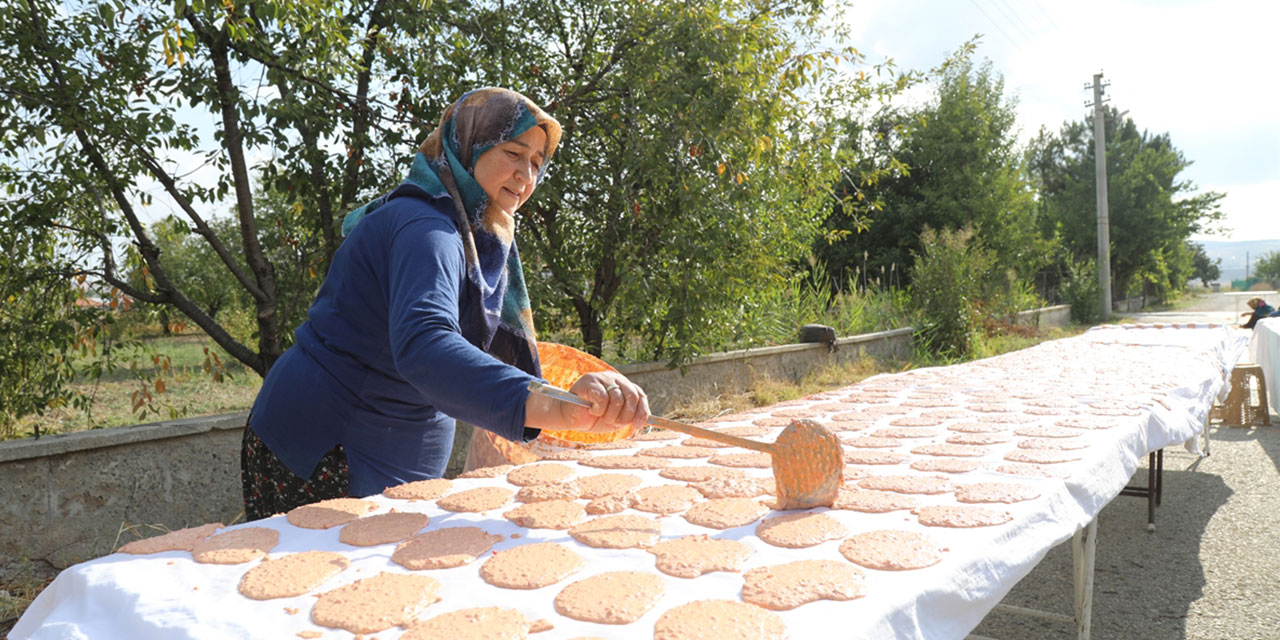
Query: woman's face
column 509, row 172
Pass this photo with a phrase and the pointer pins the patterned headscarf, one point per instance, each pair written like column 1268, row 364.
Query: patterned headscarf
column 502, row 324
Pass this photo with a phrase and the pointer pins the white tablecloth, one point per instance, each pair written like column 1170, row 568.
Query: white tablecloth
column 1153, row 385
column 1264, row 349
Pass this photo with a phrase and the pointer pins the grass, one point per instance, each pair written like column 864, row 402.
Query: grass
column 179, row 362
column 18, row 590
column 767, row 391
column 170, row 370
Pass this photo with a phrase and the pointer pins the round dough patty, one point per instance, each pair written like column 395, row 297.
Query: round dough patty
column 475, row 500
column 799, row 530
column 607, row 484
column 961, row 516
column 530, row 566
column 787, row 586
column 235, row 546
column 692, row 556
column 419, row 490
column 444, row 548
column 291, row 575
column 618, row 532
column 382, row 528
column 726, row 513
column 180, row 540
column 548, row 514
column 891, row 550
column 482, row 623
column 329, row 513
column 616, row 597
column 709, row 619
column 373, row 604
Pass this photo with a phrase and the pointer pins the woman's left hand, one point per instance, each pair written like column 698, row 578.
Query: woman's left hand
column 616, row 402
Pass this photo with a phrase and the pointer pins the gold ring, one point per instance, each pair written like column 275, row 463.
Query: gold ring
column 608, row 389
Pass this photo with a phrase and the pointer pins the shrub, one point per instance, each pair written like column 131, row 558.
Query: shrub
column 946, row 286
column 1080, row 290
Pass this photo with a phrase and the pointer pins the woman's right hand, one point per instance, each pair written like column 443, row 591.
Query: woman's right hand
column 616, row 402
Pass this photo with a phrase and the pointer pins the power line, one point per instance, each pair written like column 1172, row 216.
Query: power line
column 1004, row 7
column 1046, row 14
column 996, row 24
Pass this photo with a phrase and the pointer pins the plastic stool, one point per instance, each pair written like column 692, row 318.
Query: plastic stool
column 1239, row 409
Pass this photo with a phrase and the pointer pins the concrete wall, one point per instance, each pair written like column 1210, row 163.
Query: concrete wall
column 1056, row 316
column 734, row 371
column 68, row 497
column 1129, row 305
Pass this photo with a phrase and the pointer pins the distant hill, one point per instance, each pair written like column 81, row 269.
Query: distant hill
column 1235, row 255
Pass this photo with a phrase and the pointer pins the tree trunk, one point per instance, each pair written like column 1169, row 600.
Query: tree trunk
column 269, row 348
column 589, row 325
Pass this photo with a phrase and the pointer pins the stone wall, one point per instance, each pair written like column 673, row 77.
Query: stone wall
column 68, row 498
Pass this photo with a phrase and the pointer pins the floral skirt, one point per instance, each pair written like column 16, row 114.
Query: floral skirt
column 271, row 488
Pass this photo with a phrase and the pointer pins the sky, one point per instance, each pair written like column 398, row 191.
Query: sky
column 1205, row 72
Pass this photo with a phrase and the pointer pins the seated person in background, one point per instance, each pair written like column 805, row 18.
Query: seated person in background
column 1260, row 310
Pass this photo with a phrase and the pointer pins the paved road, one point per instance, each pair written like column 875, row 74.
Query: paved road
column 1210, row 309
column 1205, row 308
column 1210, row 569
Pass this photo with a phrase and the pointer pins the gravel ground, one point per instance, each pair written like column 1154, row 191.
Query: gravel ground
column 1210, row 570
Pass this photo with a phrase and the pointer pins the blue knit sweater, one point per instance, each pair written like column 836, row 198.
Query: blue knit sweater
column 381, row 365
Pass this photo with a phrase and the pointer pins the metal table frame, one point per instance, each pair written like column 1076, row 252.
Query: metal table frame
column 1155, row 486
column 1084, row 545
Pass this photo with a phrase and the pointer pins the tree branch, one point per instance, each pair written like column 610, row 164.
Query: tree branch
column 202, row 227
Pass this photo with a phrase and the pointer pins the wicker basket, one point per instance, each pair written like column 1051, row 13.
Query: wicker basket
column 1240, row 408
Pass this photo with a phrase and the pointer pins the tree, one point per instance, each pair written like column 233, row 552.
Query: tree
column 295, row 249
column 41, row 323
column 696, row 137
column 1152, row 213
column 190, row 264
column 1268, row 267
column 102, row 98
column 1203, row 269
column 960, row 166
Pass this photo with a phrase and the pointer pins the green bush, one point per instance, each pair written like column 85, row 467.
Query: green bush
column 1080, row 290
column 946, row 288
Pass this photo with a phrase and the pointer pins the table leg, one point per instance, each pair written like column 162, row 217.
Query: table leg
column 1152, row 489
column 1159, row 454
column 1155, row 486
column 1083, row 551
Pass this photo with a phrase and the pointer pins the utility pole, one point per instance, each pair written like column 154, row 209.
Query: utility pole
column 1104, row 222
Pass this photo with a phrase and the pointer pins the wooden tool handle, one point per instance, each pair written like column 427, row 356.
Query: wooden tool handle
column 539, row 387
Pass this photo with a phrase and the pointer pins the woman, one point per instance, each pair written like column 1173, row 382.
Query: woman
column 1260, row 310
column 422, row 318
